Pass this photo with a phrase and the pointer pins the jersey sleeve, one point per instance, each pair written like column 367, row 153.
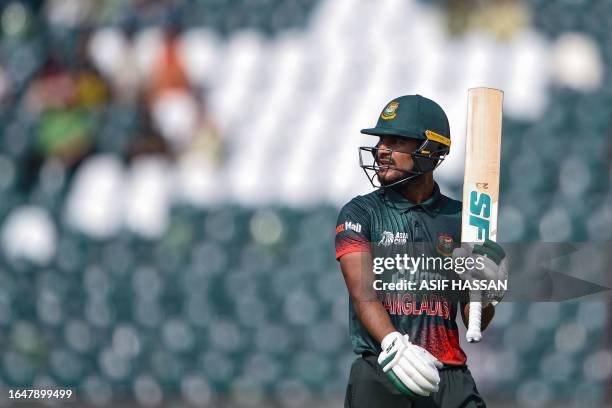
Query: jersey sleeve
column 352, row 230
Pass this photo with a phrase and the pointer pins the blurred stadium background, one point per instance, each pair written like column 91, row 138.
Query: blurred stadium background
column 171, row 171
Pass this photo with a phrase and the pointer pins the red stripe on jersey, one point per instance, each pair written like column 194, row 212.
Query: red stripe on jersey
column 443, row 343
column 343, row 248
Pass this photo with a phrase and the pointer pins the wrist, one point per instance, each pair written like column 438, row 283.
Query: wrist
column 388, row 340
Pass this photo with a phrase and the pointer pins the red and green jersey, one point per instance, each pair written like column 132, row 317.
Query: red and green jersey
column 383, row 221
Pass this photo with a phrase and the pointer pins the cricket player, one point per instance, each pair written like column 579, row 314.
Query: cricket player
column 409, row 352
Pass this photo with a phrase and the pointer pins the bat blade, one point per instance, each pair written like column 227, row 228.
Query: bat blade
column 481, row 179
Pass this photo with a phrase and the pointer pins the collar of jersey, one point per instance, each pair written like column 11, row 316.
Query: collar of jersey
column 431, row 206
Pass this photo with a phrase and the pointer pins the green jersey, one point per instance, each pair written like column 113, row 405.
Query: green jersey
column 386, row 218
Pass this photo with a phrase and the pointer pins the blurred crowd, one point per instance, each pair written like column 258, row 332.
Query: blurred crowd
column 79, row 91
column 116, row 102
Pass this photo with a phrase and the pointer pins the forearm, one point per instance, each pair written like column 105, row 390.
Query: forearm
column 488, row 313
column 357, row 271
column 374, row 317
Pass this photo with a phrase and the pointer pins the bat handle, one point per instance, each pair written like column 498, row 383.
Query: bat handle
column 474, row 335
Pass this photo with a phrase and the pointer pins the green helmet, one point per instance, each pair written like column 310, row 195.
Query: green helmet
column 413, row 117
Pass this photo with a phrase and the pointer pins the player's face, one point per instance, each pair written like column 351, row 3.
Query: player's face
column 395, row 153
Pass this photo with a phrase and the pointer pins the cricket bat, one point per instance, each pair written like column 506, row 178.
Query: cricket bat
column 481, row 180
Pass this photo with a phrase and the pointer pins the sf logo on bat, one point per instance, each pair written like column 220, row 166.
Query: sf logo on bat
column 480, row 213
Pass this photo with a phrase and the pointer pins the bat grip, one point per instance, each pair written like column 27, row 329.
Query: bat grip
column 474, row 334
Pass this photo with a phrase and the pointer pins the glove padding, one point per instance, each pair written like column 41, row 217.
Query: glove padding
column 412, row 369
column 493, row 257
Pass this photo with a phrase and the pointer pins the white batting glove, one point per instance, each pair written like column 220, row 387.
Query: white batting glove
column 412, row 369
column 489, row 263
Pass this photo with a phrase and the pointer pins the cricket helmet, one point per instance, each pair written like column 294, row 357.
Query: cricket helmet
column 412, row 117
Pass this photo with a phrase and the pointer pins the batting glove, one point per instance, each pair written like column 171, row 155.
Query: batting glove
column 490, row 263
column 410, row 368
